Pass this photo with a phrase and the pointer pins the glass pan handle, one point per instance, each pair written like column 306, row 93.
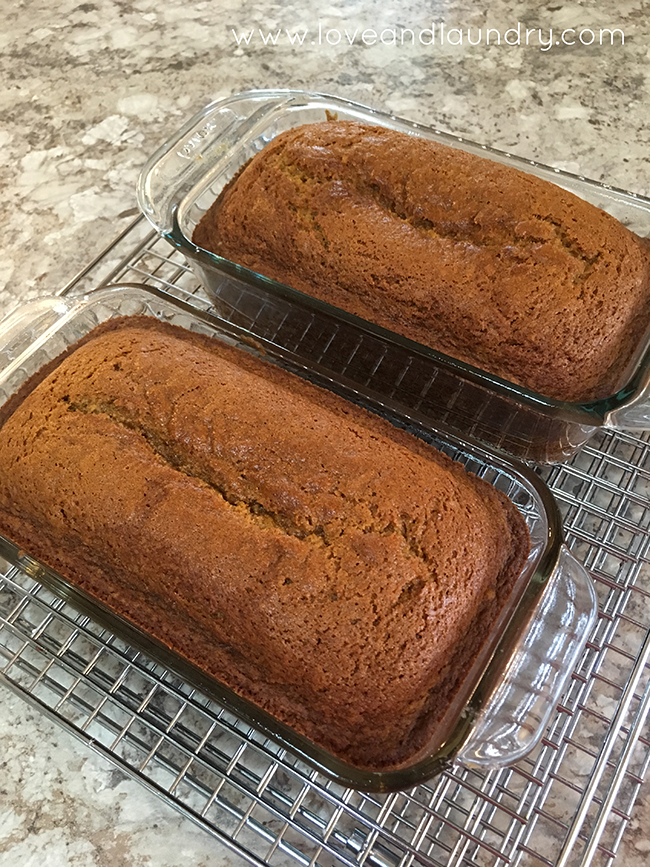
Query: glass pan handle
column 518, row 712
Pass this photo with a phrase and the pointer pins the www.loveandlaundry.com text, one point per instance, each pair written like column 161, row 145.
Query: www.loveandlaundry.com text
column 438, row 34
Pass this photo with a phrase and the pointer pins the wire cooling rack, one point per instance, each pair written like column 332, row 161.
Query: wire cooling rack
column 567, row 803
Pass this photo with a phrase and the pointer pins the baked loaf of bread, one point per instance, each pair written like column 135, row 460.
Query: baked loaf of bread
column 481, row 261
column 329, row 567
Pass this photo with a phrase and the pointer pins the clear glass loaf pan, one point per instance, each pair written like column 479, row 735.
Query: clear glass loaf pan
column 184, row 177
column 513, row 688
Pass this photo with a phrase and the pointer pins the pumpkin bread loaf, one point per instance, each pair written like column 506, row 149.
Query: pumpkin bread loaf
column 332, row 569
column 481, row 261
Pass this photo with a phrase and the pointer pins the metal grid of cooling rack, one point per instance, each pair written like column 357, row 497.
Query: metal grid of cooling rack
column 567, row 803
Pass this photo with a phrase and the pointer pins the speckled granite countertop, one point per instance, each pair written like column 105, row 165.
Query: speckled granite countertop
column 92, row 88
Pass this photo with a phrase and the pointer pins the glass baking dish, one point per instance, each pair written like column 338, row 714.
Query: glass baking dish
column 514, row 685
column 182, row 179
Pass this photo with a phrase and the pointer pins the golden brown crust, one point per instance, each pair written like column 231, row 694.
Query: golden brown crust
column 308, row 554
column 481, row 261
